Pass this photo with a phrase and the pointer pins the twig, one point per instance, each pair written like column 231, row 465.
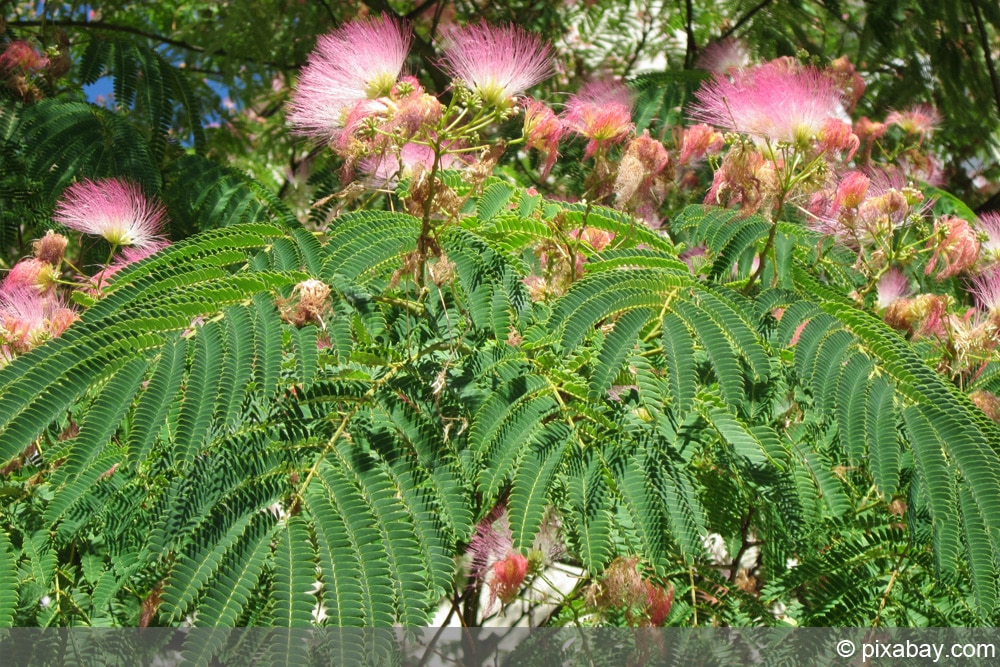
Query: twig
column 114, row 27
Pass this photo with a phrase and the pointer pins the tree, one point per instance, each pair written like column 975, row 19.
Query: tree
column 730, row 357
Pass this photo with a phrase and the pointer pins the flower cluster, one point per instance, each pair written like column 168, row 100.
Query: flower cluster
column 623, row 588
column 499, row 565
column 778, row 102
column 31, row 308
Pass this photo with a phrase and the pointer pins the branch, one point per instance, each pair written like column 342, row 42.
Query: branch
column 746, row 17
column 113, row 27
column 690, row 48
column 985, row 43
column 420, row 9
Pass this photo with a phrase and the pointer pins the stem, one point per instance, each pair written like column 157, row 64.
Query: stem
column 762, row 261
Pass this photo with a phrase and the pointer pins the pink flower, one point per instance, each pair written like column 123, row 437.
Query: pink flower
column 112, row 208
column 851, row 190
column 869, row 130
column 990, row 223
column 851, row 85
column 658, row 603
column 723, row 56
column 415, row 108
column 50, row 248
column 920, row 120
column 601, row 112
column 496, row 62
column 745, row 178
column 21, row 58
column 645, row 158
column 359, row 61
column 27, row 318
column 774, row 102
column 508, row 575
column 598, row 239
column 28, row 273
column 699, row 140
column 955, row 244
column 892, row 286
column 986, row 289
column 837, row 137
column 542, row 131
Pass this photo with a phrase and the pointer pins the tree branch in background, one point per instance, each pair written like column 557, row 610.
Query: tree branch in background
column 690, row 49
column 743, row 19
column 984, row 42
column 112, row 27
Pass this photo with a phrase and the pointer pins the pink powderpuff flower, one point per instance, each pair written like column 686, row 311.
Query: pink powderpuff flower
column 29, row 318
column 22, row 314
column 542, row 131
column 837, row 137
column 658, row 603
column 892, row 286
column 920, row 120
column 496, row 62
column 113, row 208
column 601, row 112
column 723, row 56
column 852, row 189
column 598, row 239
column 359, row 61
column 508, row 576
column 21, row 58
column 771, row 102
column 414, row 108
column 986, row 289
column 955, row 244
column 851, row 85
column 990, row 224
column 745, row 179
column 29, row 273
column 698, row 141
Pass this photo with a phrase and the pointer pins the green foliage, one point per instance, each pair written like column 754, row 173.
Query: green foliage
column 207, row 446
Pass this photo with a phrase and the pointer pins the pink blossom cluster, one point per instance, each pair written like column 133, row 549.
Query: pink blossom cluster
column 22, row 58
column 778, row 102
column 499, row 565
column 31, row 308
column 623, row 587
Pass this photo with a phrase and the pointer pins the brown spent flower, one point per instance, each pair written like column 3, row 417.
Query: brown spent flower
column 50, row 248
column 313, row 302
